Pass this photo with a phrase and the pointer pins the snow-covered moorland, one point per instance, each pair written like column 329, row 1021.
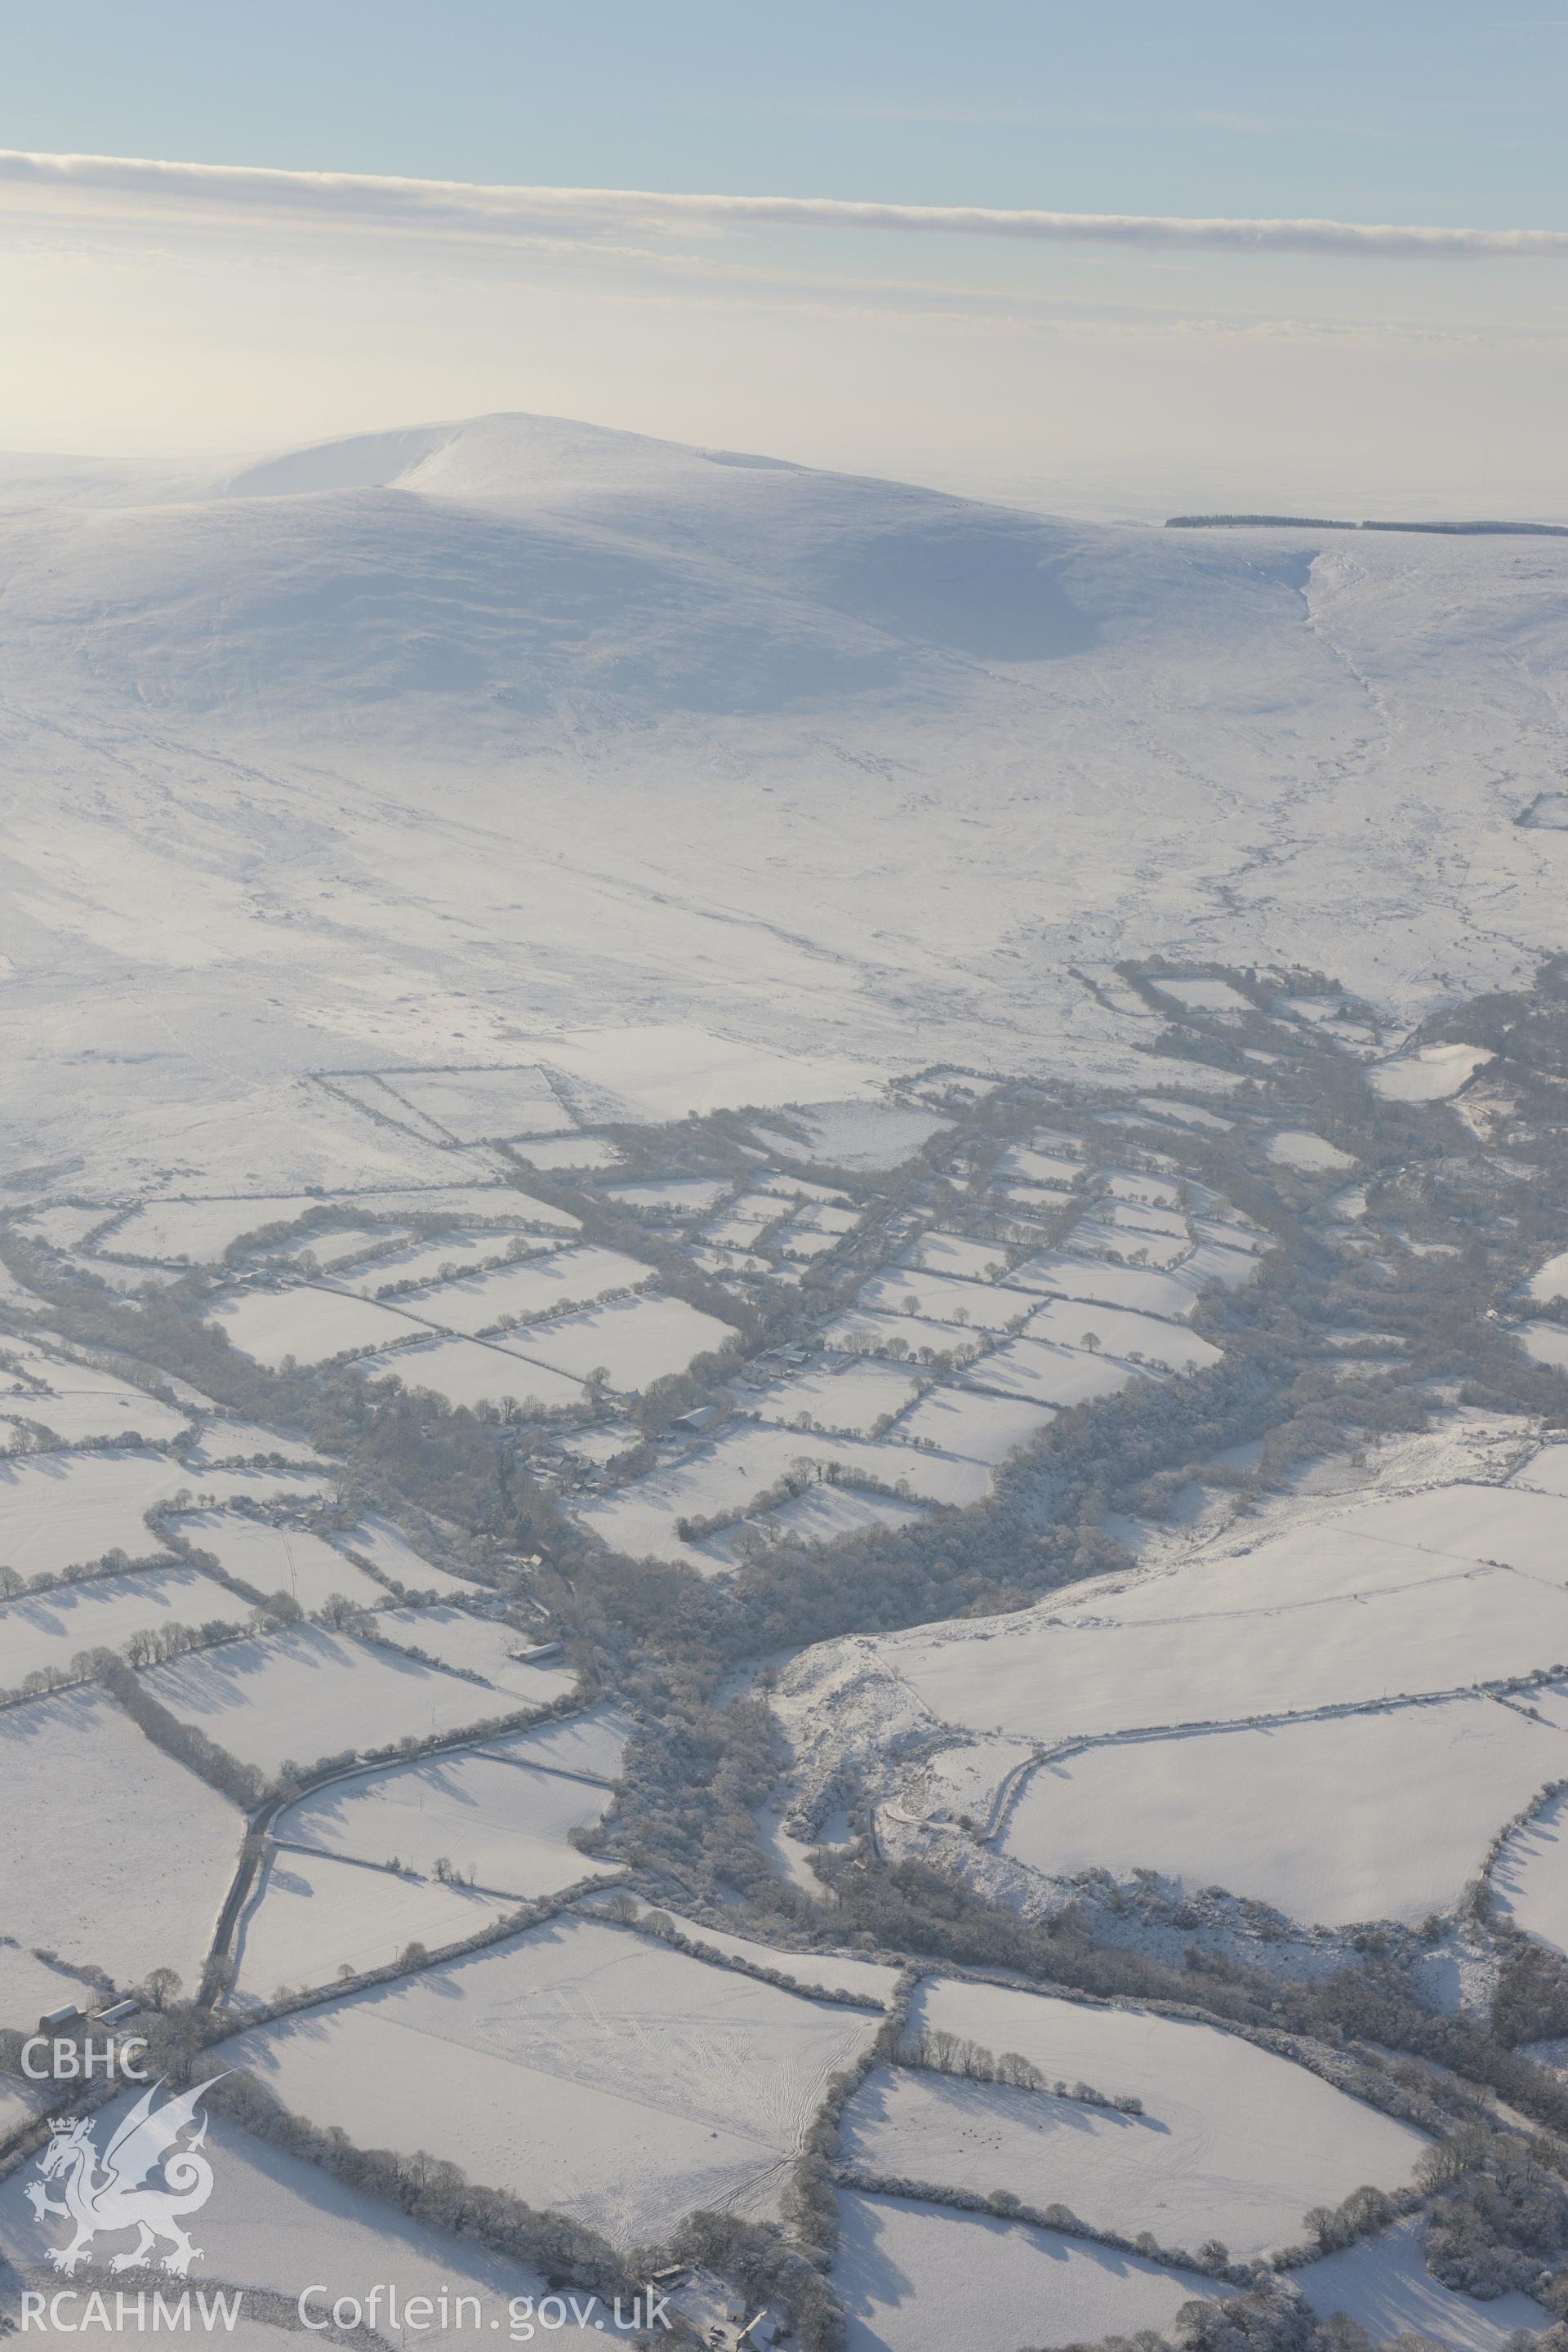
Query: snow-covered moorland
column 720, row 614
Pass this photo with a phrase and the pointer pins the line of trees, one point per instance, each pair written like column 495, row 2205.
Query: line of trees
column 940, row 2051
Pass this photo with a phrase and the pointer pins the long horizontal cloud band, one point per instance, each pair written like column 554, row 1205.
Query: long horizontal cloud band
column 456, row 204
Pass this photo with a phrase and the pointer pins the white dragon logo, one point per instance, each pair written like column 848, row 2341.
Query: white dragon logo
column 104, row 2195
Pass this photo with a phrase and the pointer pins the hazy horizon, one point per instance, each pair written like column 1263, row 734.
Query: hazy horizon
column 838, row 254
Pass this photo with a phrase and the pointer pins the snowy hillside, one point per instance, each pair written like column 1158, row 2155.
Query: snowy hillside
column 423, row 744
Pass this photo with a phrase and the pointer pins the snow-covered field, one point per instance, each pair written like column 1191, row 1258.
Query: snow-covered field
column 1546, row 1472
column 501, row 1206
column 1228, row 1714
column 1506, row 1528
column 28, row 1988
column 1107, row 1236
column 1547, row 1342
column 1142, row 1289
column 825, row 1205
column 17, row 1298
column 1234, row 2143
column 853, row 1135
column 489, row 1302
column 67, row 1225
column 670, row 1196
column 1385, row 2287
column 820, row 1213
column 591, row 1745
column 221, row 1441
column 200, row 1231
column 942, row 1298
column 870, row 1980
column 1045, row 1375
column 742, row 1462
column 861, row 1332
column 482, row 1105
column 917, row 2277
column 582, row 2067
column 822, row 1514
column 569, row 1153
column 504, row 1821
column 339, row 1245
column 738, row 1233
column 474, row 1371
column 1550, row 1281
column 1436, row 1634
column 1204, row 995
column 278, row 2224
column 273, row 1558
column 1430, row 1074
column 300, row 1695
column 377, row 1540
column 1530, row 1878
column 955, row 1253
column 81, row 1782
column 1218, row 1261
column 307, row 1323
column 1068, row 1323
column 1165, row 1111
column 635, row 1340
column 77, row 1402
column 1053, row 1170
column 1354, row 1609
column 429, row 1261
column 1381, row 1815
column 66, row 1511
column 985, row 1428
column 480, row 1644
column 48, row 1628
column 311, row 1916
column 851, row 1397
column 1313, row 1154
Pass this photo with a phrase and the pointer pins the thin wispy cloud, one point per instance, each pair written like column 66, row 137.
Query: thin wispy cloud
column 591, row 214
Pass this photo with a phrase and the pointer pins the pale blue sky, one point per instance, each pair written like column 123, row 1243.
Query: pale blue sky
column 186, row 314
column 1396, row 109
